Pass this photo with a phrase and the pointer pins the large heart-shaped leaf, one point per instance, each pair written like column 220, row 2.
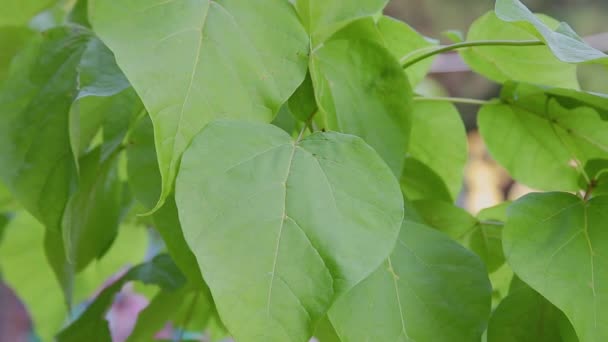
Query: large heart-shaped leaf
column 557, row 243
column 522, row 63
column 563, row 41
column 281, row 228
column 323, row 17
column 226, row 58
column 429, row 281
column 534, row 130
column 361, row 89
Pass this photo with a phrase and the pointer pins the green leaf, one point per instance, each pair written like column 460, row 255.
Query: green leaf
column 142, row 165
column 289, row 226
column 454, row 221
column 324, row 17
column 439, row 140
column 563, row 41
column 534, row 64
column 12, row 41
column 525, row 316
column 541, row 140
column 35, row 125
column 325, row 332
column 183, row 306
column 355, row 78
column 419, row 181
column 35, row 162
column 144, row 179
column 16, row 13
column 396, row 36
column 480, row 235
column 430, row 289
column 93, row 213
column 167, row 223
column 79, row 14
column 556, row 243
column 302, row 103
column 92, row 326
column 215, row 59
column 486, row 240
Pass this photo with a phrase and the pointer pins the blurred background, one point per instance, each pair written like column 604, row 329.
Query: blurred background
column 486, row 183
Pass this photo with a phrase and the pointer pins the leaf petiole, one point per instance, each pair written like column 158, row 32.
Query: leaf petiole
column 455, row 100
column 407, row 62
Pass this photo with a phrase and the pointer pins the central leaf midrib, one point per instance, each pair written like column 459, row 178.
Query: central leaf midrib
column 195, row 65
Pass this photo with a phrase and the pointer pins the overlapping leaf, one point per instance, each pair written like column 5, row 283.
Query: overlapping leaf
column 535, row 130
column 286, row 226
column 324, row 17
column 429, row 281
column 534, row 64
column 195, row 61
column 557, row 243
column 145, row 182
column 396, row 36
column 482, row 234
column 563, row 41
column 361, row 89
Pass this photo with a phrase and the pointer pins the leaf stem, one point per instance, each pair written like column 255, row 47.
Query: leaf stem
column 454, row 100
column 405, row 63
column 590, row 188
column 187, row 318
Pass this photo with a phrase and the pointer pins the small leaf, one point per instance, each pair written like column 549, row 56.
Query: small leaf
column 482, row 236
column 91, row 324
column 93, row 213
column 563, row 41
column 302, row 103
column 321, row 18
column 227, row 58
column 534, row 64
column 454, row 36
column 429, row 281
column 419, row 181
column 355, row 78
column 179, row 307
column 542, row 140
column 289, row 226
column 525, row 316
column 556, row 243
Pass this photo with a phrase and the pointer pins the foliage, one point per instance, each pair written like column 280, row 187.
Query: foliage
column 269, row 167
